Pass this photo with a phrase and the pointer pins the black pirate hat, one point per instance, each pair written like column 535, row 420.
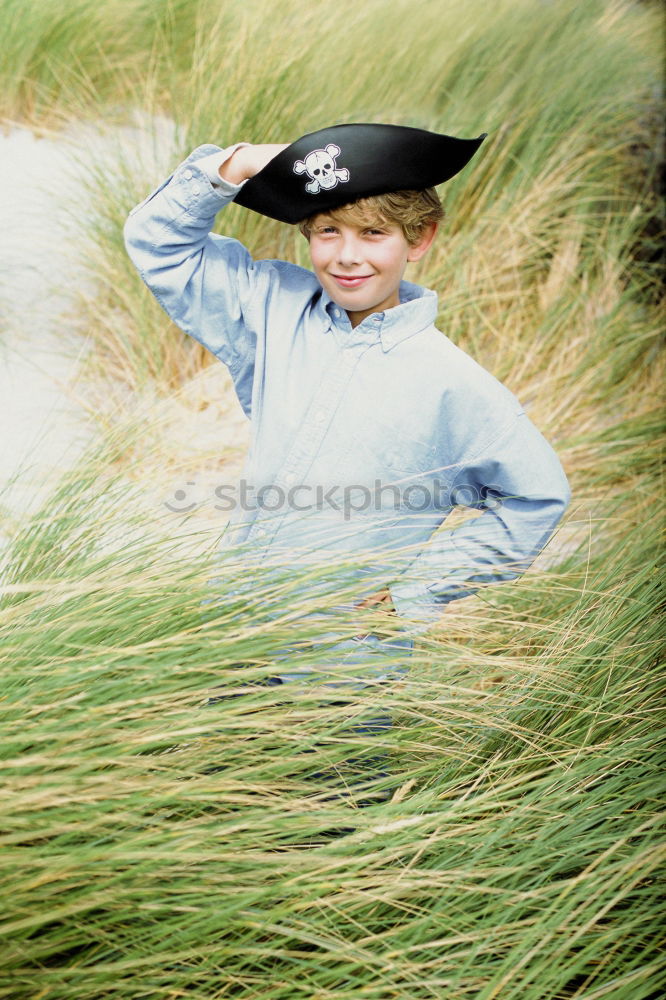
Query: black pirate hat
column 337, row 165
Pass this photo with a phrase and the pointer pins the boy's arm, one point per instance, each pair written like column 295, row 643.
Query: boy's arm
column 523, row 493
column 209, row 285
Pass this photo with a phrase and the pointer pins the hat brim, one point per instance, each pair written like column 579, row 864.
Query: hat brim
column 377, row 159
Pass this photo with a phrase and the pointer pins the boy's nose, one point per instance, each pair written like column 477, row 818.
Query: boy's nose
column 349, row 252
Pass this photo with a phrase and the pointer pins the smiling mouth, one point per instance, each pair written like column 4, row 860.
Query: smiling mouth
column 352, row 280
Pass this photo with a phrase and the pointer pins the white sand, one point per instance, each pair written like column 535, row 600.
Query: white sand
column 45, row 206
column 43, row 427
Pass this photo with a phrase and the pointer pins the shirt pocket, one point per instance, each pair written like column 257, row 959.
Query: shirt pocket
column 391, row 455
column 408, row 456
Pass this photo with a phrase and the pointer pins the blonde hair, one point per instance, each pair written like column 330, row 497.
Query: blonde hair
column 413, row 211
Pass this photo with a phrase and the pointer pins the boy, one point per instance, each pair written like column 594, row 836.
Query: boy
column 368, row 423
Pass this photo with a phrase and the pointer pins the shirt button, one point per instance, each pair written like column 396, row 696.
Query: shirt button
column 336, row 313
column 196, row 189
column 188, row 175
column 290, row 478
column 320, row 414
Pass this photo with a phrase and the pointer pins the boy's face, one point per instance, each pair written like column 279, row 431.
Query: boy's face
column 361, row 267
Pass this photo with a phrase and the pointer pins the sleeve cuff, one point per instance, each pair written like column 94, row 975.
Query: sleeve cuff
column 185, row 183
column 414, row 603
column 211, row 164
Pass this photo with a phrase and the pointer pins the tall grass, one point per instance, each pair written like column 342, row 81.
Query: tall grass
column 157, row 842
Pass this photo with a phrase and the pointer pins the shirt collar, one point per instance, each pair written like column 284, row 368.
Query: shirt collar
column 417, row 310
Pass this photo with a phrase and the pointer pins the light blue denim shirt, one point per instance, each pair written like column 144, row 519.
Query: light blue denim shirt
column 362, row 438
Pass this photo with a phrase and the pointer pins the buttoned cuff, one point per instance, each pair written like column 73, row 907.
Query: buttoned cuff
column 211, row 164
column 414, row 603
column 190, row 187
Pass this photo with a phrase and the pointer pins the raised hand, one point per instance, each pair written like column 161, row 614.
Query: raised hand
column 248, row 160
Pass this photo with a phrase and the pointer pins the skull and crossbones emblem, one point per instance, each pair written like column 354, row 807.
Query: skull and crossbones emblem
column 320, row 167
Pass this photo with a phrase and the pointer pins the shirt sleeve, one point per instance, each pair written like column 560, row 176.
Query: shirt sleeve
column 520, row 487
column 209, row 285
